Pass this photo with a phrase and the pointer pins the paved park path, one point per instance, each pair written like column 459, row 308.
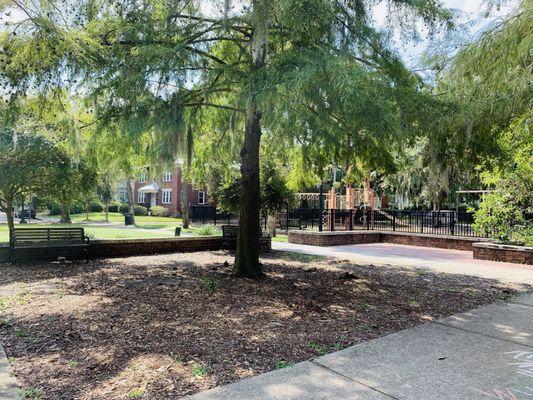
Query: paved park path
column 483, row 354
column 9, row 389
column 439, row 260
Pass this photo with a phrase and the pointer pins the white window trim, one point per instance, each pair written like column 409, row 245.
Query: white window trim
column 203, row 197
column 164, row 194
column 167, row 177
column 141, row 198
column 142, row 178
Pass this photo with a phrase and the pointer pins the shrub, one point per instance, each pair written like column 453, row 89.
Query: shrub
column 159, row 211
column 139, row 210
column 53, row 208
column 124, row 208
column 114, row 207
column 77, row 208
column 96, row 206
column 207, row 230
column 498, row 216
column 523, row 234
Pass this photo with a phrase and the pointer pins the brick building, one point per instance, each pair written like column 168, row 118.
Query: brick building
column 166, row 191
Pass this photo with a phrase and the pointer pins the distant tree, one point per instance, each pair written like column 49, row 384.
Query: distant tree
column 28, row 164
column 71, row 182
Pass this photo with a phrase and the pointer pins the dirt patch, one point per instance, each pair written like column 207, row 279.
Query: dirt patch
column 162, row 327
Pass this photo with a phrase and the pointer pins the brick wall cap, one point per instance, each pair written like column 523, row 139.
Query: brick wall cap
column 148, row 240
column 334, row 233
column 430, row 235
column 500, row 246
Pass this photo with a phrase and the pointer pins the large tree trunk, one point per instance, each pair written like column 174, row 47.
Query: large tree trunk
column 131, row 202
column 184, row 186
column 247, row 254
column 107, row 212
column 65, row 214
column 185, row 205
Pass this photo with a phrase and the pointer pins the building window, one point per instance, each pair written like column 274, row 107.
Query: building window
column 142, row 178
column 167, row 196
column 167, row 177
column 141, row 198
column 201, row 197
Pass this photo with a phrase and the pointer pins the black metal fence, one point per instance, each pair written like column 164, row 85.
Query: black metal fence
column 210, row 215
column 452, row 223
column 432, row 222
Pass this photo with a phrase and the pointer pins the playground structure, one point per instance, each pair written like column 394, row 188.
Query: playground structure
column 356, row 206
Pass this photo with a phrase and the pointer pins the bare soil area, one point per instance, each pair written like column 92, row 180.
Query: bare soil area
column 162, row 327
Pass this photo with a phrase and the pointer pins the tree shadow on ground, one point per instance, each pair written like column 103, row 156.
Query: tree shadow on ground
column 160, row 323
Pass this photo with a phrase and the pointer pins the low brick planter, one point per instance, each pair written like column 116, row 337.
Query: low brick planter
column 334, row 238
column 137, row 247
column 503, row 252
column 427, row 240
column 340, row 238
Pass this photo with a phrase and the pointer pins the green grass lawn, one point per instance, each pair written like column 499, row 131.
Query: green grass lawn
column 99, row 232
column 118, row 217
column 281, row 238
column 145, row 227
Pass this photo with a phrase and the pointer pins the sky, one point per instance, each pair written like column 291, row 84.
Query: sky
column 470, row 20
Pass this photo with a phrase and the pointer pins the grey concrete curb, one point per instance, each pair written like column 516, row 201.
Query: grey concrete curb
column 9, row 387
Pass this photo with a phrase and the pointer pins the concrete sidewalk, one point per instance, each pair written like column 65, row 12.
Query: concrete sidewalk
column 9, row 388
column 483, row 354
column 440, row 260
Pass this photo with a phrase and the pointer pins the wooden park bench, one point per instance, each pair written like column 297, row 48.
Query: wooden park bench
column 231, row 232
column 43, row 244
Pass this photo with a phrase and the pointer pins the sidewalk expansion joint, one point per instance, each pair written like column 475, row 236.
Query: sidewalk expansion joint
column 521, row 304
column 351, row 379
column 482, row 334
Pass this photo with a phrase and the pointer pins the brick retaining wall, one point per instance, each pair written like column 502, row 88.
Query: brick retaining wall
column 427, row 240
column 136, row 247
column 334, row 238
column 340, row 238
column 505, row 253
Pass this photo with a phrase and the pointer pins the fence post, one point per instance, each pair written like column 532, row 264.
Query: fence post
column 331, row 220
column 367, row 219
column 394, row 220
column 422, row 222
column 351, row 220
column 287, row 221
column 452, row 223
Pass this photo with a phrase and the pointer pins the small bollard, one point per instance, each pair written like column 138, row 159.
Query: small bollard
column 177, row 232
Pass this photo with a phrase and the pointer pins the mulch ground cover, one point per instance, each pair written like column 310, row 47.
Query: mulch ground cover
column 162, row 327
